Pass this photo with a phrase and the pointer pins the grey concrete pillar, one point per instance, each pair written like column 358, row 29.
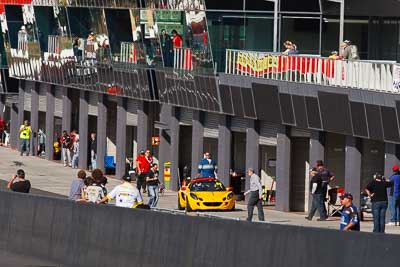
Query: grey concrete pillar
column 224, row 149
column 121, row 138
column 283, row 156
column 353, row 168
column 164, row 154
column 317, row 148
column 252, row 149
column 66, row 109
column 175, row 129
column 143, row 129
column 197, row 140
column 2, row 105
column 50, row 102
column 21, row 103
column 83, row 130
column 101, row 131
column 390, row 159
column 14, row 126
column 317, row 152
column 35, row 118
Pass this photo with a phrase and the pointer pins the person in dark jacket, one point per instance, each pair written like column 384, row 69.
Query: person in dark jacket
column 317, row 196
column 167, row 49
column 377, row 191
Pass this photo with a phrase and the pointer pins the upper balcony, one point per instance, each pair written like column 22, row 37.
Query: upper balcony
column 382, row 76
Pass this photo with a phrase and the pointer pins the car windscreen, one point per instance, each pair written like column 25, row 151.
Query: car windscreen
column 207, row 186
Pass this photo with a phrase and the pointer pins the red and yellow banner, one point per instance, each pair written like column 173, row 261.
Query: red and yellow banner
column 251, row 64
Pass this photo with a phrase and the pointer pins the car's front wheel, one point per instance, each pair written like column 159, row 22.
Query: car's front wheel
column 179, row 205
column 188, row 208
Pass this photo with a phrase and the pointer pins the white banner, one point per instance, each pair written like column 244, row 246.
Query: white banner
column 396, row 77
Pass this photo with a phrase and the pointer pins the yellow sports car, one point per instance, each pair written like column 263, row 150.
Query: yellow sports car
column 205, row 194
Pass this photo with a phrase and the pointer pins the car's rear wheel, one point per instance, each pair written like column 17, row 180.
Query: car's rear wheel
column 188, row 208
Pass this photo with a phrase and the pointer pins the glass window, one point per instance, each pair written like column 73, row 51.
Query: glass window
column 260, row 5
column 225, row 4
column 259, row 33
column 14, row 23
column 303, row 32
column 303, row 5
column 207, row 186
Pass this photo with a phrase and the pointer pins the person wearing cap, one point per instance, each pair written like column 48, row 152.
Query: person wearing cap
column 142, row 167
column 327, row 177
column 256, row 196
column 24, row 136
column 152, row 182
column 317, row 197
column 349, row 220
column 377, row 191
column 125, row 194
column 394, row 197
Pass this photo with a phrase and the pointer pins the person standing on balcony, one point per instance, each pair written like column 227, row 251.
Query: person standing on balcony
column 25, row 135
column 350, row 51
column 167, row 49
column 177, row 40
column 291, row 48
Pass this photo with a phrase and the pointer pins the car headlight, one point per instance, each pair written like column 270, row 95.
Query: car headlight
column 229, row 196
column 194, row 196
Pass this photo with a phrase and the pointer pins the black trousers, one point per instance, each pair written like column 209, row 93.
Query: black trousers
column 254, row 200
column 141, row 183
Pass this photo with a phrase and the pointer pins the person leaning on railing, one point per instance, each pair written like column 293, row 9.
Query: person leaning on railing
column 291, row 48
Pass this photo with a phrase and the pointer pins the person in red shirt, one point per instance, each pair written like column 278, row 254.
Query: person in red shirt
column 143, row 164
column 177, row 40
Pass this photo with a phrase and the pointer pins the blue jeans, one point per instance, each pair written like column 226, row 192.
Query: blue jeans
column 25, row 146
column 379, row 213
column 153, row 192
column 394, row 213
column 94, row 163
column 75, row 159
column 317, row 203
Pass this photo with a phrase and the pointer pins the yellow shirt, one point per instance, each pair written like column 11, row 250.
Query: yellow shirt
column 25, row 132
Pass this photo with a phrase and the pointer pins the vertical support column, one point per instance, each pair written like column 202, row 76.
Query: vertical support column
column 35, row 118
column 165, row 138
column 252, row 149
column 197, row 140
column 174, row 126
column 390, row 159
column 353, row 168
column 49, row 121
column 317, row 152
column 21, row 102
column 14, row 127
column 143, row 126
column 283, row 156
column 2, row 105
column 101, row 131
column 83, row 130
column 66, row 109
column 121, row 138
column 224, row 149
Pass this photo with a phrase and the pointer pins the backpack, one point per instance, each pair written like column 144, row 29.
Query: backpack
column 354, row 52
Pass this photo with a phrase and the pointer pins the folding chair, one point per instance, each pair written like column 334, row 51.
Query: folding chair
column 334, row 206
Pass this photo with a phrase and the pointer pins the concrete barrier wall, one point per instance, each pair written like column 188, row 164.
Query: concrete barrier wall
column 79, row 234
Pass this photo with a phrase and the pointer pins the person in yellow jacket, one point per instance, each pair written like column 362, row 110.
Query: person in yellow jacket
column 24, row 136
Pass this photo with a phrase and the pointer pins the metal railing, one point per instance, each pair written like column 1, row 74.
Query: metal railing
column 183, row 58
column 362, row 74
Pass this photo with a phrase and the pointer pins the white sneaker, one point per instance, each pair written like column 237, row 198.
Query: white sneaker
column 390, row 224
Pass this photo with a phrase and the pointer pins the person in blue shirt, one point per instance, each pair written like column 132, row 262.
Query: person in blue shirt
column 349, row 220
column 207, row 167
column 394, row 198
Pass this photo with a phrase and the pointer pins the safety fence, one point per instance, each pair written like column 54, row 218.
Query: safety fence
column 82, row 234
column 362, row 74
